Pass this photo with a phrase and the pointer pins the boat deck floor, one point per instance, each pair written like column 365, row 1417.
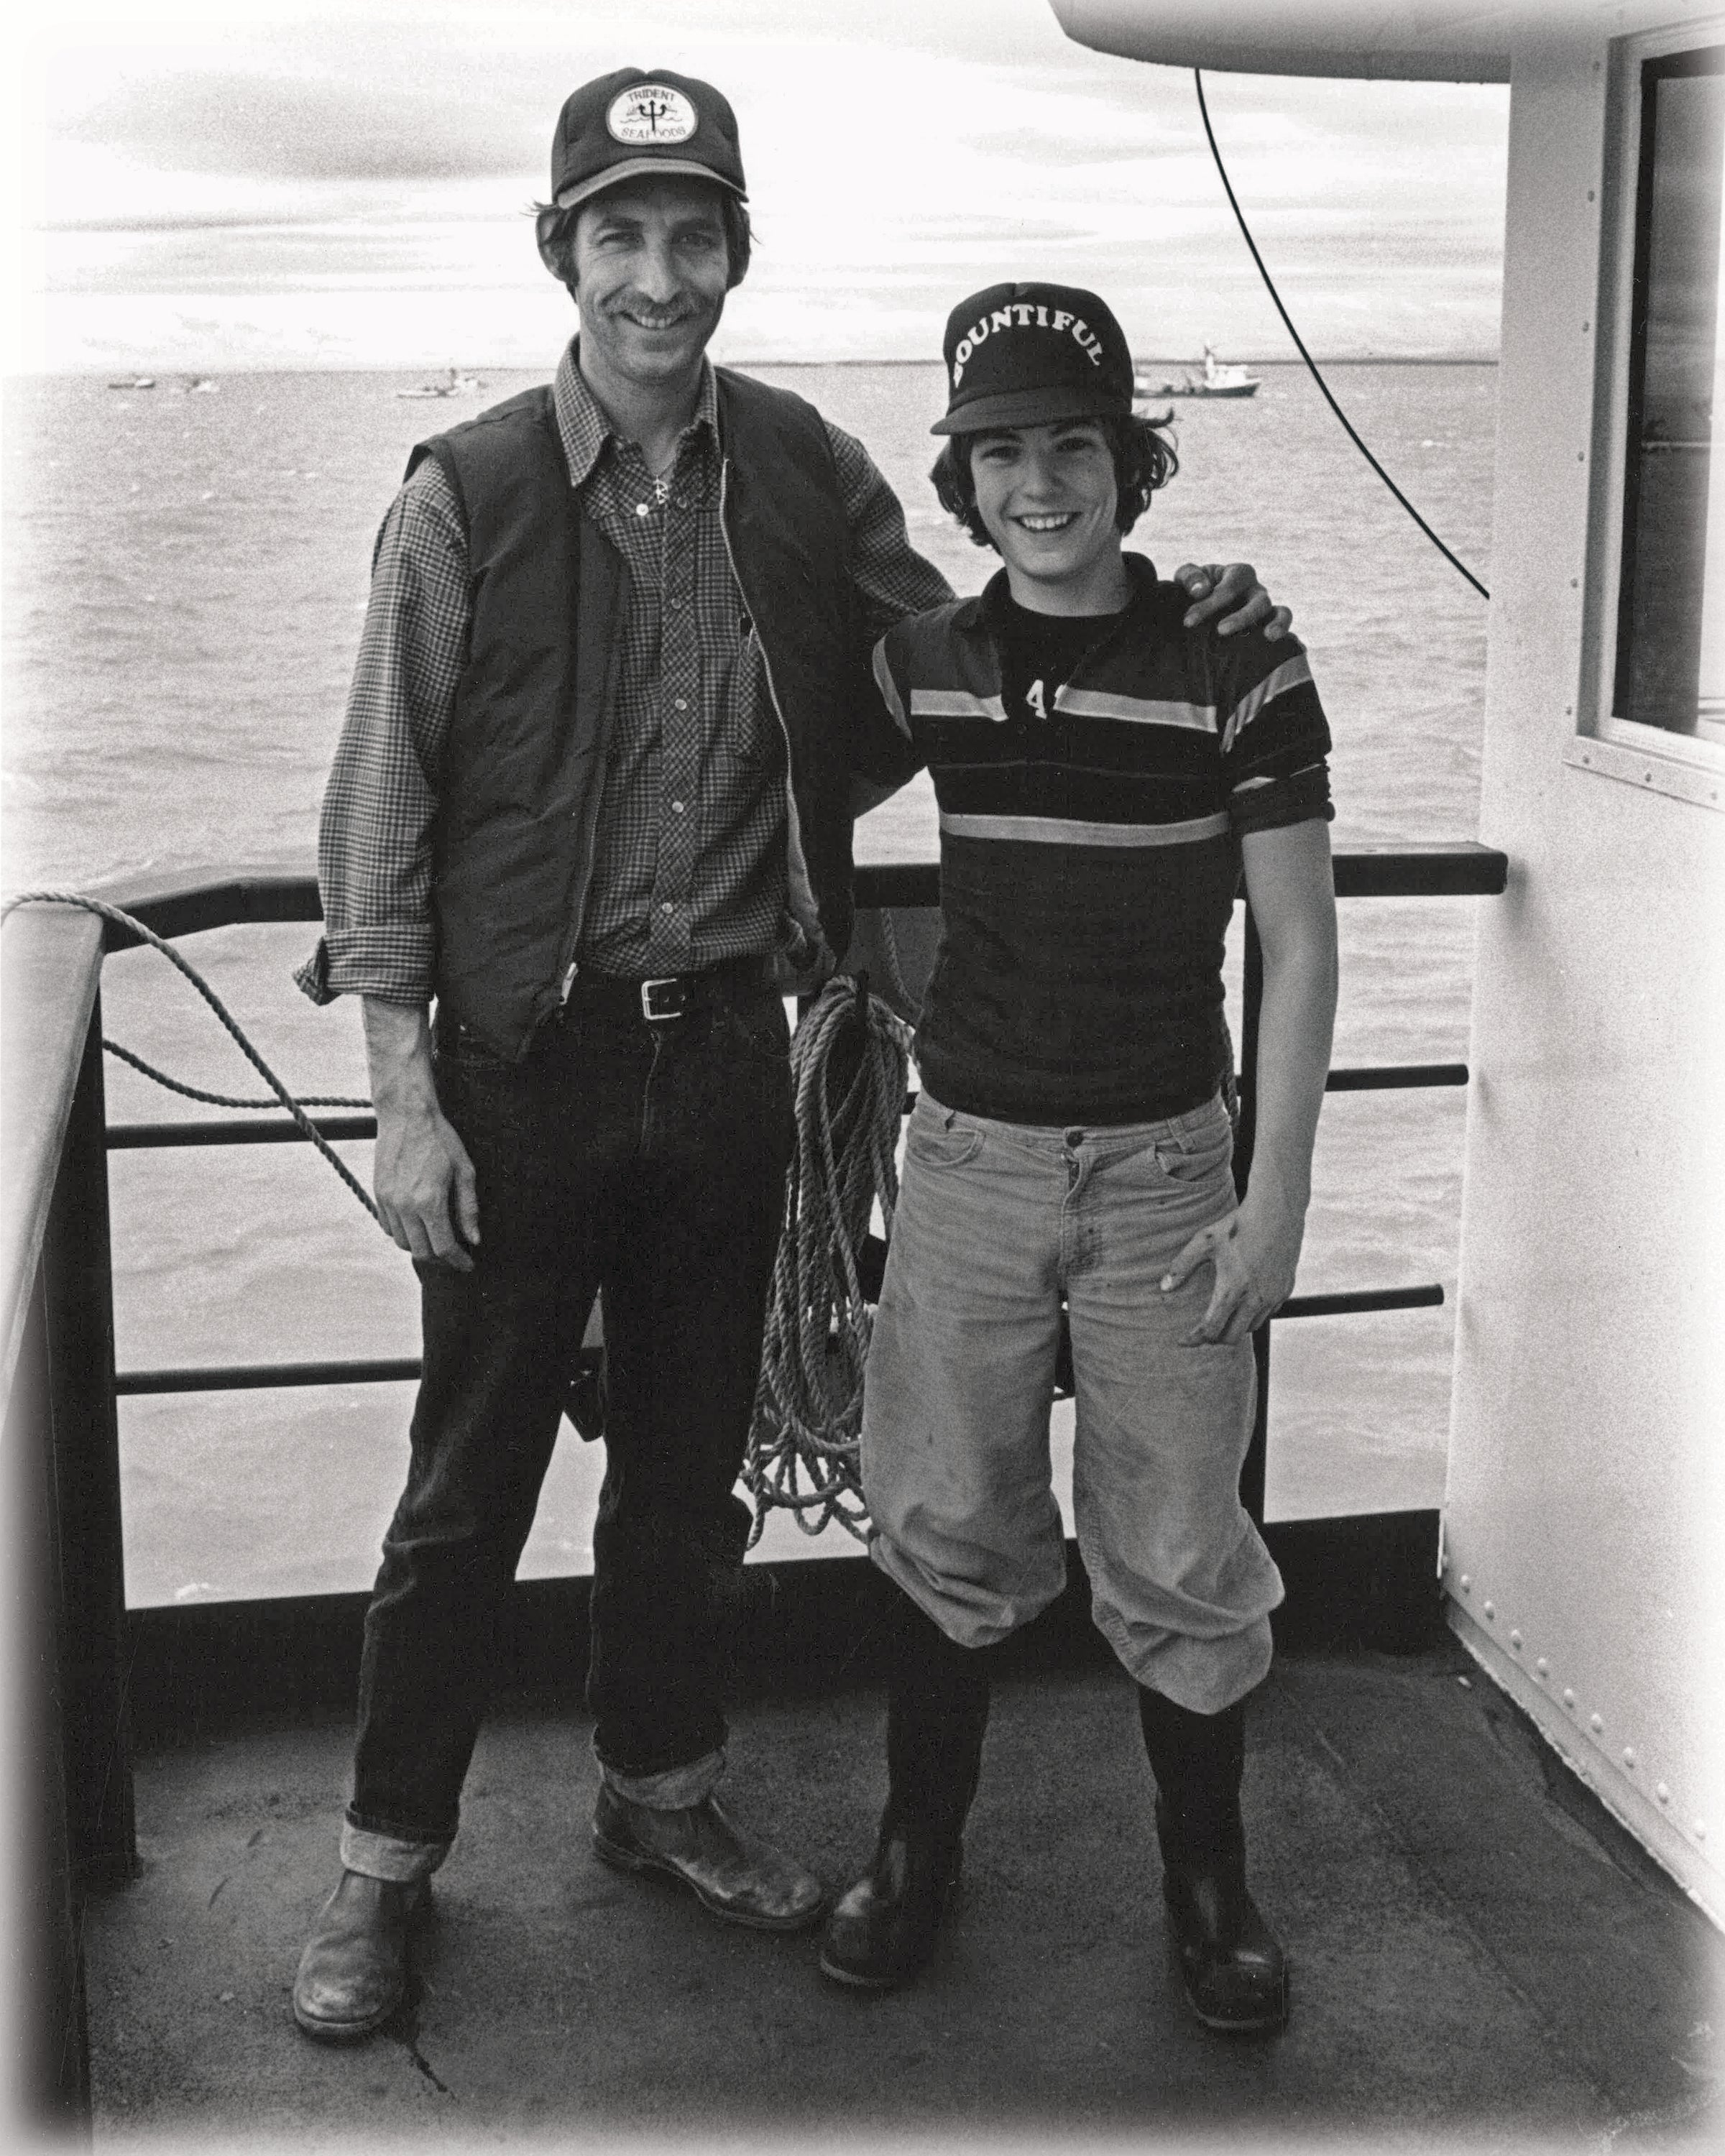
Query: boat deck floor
column 1479, row 1957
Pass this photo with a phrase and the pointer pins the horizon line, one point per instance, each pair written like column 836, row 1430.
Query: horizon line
column 171, row 369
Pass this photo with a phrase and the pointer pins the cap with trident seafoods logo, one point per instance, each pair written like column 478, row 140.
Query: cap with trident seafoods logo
column 634, row 122
column 1020, row 355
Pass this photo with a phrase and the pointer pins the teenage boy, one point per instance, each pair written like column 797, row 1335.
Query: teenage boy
column 1104, row 774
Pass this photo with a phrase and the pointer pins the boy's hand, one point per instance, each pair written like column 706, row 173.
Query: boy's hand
column 1255, row 1259
column 1232, row 590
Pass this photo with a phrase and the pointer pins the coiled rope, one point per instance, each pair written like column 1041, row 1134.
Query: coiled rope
column 1347, row 426
column 281, row 1096
column 803, row 1444
column 803, row 1452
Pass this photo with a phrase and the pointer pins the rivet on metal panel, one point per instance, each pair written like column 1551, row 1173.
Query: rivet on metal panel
column 1491, row 1611
column 1515, row 1639
column 1568, row 1697
column 1628, row 1755
column 1467, row 1582
column 1663, row 1793
column 1542, row 1668
column 1701, row 1830
column 1596, row 1723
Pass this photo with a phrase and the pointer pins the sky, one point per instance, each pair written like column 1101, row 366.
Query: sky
column 346, row 183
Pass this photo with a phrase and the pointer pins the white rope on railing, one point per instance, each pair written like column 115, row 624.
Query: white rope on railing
column 283, row 1098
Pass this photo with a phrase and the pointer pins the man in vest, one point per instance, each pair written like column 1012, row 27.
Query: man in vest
column 611, row 716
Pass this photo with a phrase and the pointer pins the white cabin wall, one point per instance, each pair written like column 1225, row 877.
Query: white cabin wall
column 1586, row 1496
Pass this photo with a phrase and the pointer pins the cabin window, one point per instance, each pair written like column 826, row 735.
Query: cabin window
column 1670, row 659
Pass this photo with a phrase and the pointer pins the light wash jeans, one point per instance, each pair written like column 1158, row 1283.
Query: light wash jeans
column 995, row 1223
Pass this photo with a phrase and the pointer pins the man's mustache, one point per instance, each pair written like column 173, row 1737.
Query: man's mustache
column 650, row 313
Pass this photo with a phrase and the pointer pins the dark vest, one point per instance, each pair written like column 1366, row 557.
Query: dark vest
column 522, row 775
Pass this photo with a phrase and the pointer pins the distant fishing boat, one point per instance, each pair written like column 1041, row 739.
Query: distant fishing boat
column 199, row 385
column 134, row 381
column 1217, row 380
column 457, row 385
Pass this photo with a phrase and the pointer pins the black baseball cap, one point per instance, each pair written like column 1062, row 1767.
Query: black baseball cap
column 1020, row 355
column 643, row 120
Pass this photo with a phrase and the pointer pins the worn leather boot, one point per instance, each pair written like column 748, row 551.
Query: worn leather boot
column 735, row 1874
column 353, row 1973
column 883, row 1929
column 1233, row 1972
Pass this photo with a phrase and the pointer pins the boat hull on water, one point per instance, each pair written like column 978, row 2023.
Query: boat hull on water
column 1246, row 388
column 1217, row 379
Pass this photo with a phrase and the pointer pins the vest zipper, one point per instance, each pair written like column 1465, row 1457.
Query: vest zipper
column 793, row 844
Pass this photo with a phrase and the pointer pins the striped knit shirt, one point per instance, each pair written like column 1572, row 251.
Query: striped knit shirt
column 1090, row 848
column 690, row 866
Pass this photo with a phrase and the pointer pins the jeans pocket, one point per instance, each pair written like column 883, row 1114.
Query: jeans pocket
column 1195, row 1155
column 465, row 1050
column 933, row 1142
column 758, row 1027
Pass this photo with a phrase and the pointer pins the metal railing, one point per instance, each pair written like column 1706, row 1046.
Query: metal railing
column 1359, row 873
column 66, row 1577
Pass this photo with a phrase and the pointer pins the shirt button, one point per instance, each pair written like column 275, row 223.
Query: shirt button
column 675, row 603
column 682, row 703
column 667, row 908
column 677, row 808
column 644, row 509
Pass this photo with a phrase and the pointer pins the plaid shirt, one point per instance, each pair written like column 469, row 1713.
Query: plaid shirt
column 689, row 866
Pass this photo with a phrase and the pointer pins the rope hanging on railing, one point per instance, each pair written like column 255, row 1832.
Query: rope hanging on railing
column 282, row 1098
column 1453, row 560
column 804, row 1447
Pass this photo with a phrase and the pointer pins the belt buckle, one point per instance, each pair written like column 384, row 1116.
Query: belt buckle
column 654, row 1008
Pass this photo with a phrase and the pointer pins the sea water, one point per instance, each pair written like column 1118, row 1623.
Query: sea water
column 184, row 579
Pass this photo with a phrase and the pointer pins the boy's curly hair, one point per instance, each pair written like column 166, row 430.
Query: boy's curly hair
column 1144, row 461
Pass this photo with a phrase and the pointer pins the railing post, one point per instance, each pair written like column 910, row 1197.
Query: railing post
column 1251, row 1473
column 49, row 2074
column 84, row 1491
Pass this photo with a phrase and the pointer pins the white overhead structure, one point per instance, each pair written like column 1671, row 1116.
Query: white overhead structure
column 1586, row 1495
column 1416, row 41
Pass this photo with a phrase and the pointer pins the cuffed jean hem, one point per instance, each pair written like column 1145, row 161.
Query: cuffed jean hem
column 942, row 1600
column 387, row 1857
column 1204, row 1676
column 672, row 1790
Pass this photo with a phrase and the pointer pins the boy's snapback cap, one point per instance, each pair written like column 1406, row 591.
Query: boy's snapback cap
column 1021, row 355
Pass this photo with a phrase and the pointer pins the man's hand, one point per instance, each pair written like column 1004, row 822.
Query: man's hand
column 1255, row 1258
column 1232, row 590
column 421, row 1177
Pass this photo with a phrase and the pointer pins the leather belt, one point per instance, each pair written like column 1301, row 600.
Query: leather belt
column 661, row 998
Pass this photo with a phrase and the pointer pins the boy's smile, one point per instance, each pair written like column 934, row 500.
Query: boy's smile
column 1047, row 498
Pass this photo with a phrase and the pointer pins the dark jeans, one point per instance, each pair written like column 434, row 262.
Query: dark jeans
column 648, row 1161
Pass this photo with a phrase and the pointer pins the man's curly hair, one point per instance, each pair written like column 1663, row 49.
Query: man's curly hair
column 1144, row 461
column 554, row 231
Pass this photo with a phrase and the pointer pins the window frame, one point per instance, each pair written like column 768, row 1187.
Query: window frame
column 1690, row 766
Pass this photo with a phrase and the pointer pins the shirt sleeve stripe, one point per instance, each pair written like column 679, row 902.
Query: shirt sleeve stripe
column 889, row 688
column 1288, row 675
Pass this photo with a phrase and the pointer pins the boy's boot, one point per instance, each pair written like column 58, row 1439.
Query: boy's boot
column 1233, row 1970
column 883, row 1929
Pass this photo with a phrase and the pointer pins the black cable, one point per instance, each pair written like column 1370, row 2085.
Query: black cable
column 1453, row 560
